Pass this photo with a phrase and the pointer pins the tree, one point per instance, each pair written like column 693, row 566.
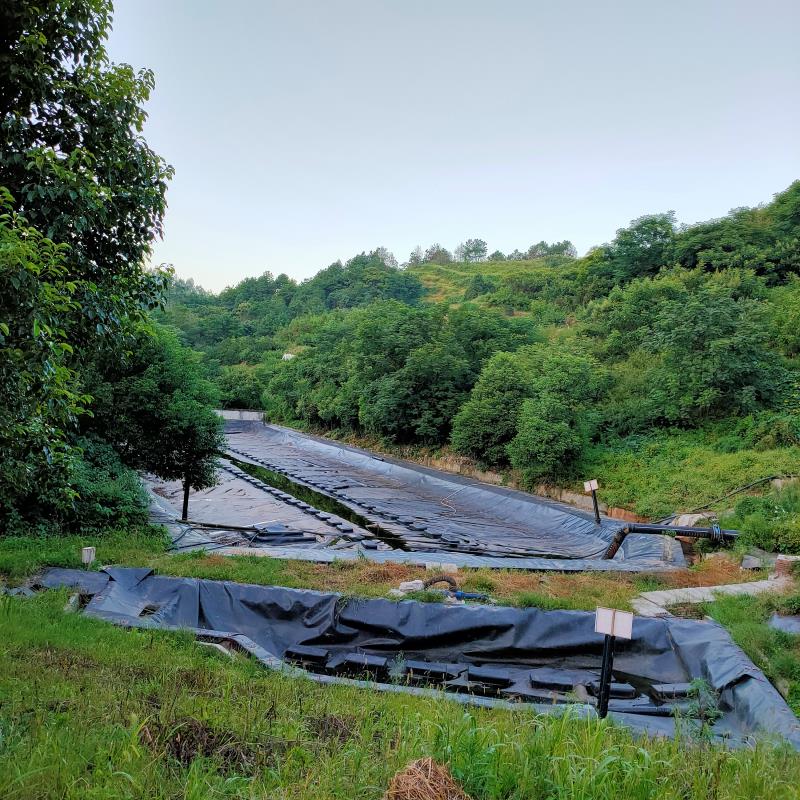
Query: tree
column 643, row 247
column 543, row 249
column 715, row 355
column 479, row 284
column 156, row 408
column 472, row 250
column 73, row 157
column 562, row 384
column 419, row 401
column 497, row 255
column 416, row 256
column 547, row 437
column 436, row 254
column 487, row 422
column 40, row 396
column 385, row 255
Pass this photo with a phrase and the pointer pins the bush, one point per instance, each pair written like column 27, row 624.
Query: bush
column 108, row 494
column 771, row 522
column 547, row 438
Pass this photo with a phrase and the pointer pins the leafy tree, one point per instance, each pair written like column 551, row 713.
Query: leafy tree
column 559, row 382
column 642, row 248
column 786, row 317
column 40, row 395
column 764, row 239
column 73, row 157
column 548, row 437
column 497, row 255
column 436, row 254
column 472, row 250
column 714, row 355
column 385, row 255
column 156, row 408
column 416, row 256
column 479, row 284
column 241, row 386
column 543, row 249
column 487, row 421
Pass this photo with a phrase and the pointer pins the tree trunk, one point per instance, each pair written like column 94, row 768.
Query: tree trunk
column 185, row 515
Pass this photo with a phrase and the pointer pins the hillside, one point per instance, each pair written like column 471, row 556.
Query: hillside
column 664, row 362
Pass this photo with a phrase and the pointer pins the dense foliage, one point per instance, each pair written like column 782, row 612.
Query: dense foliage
column 527, row 360
column 81, row 198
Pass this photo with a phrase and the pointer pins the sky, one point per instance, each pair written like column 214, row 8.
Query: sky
column 306, row 131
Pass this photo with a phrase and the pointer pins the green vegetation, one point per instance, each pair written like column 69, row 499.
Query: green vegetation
column 670, row 469
column 664, row 362
column 771, row 522
column 81, row 198
column 90, row 710
column 775, row 652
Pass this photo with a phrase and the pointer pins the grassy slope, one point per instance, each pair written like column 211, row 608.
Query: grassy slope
column 681, row 470
column 87, row 710
column 448, row 283
column 93, row 711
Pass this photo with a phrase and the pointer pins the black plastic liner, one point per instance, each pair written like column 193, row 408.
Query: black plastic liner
column 486, row 655
column 433, row 511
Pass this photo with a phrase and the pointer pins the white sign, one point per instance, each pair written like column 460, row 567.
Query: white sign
column 614, row 623
column 87, row 555
column 590, row 486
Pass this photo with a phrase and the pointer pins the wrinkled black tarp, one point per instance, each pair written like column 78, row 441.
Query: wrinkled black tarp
column 493, row 652
column 431, row 510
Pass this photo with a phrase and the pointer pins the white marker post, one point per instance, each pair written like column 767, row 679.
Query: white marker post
column 592, row 486
column 612, row 623
column 87, row 556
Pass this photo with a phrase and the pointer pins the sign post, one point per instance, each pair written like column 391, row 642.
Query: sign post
column 592, row 486
column 87, row 556
column 612, row 623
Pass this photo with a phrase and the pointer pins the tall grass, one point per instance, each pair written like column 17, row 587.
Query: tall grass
column 92, row 711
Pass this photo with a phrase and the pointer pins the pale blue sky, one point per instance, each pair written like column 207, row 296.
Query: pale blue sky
column 304, row 132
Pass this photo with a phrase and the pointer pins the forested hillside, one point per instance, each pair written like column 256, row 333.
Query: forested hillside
column 670, row 336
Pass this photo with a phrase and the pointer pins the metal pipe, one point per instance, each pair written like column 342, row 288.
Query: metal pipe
column 700, row 533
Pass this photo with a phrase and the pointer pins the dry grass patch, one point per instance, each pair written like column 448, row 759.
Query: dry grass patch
column 424, row 779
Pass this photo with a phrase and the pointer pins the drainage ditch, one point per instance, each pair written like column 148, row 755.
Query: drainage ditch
column 319, row 500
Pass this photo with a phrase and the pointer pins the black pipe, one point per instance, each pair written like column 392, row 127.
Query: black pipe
column 701, row 533
column 716, row 533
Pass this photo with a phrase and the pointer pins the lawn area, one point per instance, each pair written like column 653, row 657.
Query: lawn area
column 93, row 711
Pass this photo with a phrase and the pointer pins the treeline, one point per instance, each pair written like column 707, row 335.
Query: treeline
column 665, row 326
column 90, row 387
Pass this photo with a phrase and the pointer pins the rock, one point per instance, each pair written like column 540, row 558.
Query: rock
column 411, row 586
column 690, row 520
column 751, row 562
column 396, row 594
column 785, row 565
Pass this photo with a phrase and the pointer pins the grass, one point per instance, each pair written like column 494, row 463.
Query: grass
column 679, row 471
column 775, row 652
column 21, row 557
column 94, row 711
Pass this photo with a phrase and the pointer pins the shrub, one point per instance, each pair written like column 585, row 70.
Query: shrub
column 108, row 494
column 771, row 522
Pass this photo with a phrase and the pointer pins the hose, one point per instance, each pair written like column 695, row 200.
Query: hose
column 730, row 494
column 451, row 582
